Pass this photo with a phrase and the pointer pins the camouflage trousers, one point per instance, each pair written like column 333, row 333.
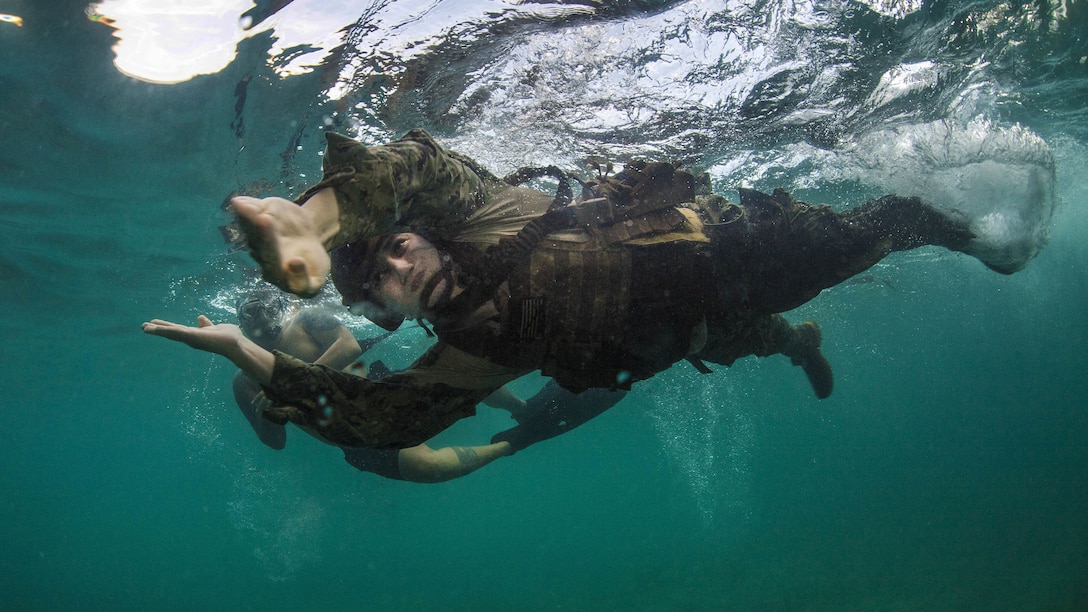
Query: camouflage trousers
column 773, row 253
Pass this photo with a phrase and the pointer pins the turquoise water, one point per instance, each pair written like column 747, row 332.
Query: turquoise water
column 947, row 471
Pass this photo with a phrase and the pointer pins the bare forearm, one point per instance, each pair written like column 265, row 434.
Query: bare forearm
column 252, row 359
column 504, row 399
column 224, row 339
column 324, row 212
column 422, row 464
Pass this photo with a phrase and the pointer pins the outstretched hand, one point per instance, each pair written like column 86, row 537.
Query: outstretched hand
column 220, row 339
column 285, row 241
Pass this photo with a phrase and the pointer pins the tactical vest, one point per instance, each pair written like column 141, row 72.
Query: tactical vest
column 602, row 293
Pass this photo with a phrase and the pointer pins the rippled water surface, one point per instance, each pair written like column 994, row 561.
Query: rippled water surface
column 947, row 471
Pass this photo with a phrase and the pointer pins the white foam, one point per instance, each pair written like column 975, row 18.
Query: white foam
column 1000, row 178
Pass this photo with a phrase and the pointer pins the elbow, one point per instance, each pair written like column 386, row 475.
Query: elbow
column 353, row 349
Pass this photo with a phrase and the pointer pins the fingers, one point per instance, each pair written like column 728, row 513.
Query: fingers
column 206, row 336
column 252, row 218
column 157, row 326
column 160, row 327
column 297, row 277
column 246, row 207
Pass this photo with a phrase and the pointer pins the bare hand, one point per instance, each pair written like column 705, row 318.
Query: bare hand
column 224, row 339
column 220, row 339
column 285, row 242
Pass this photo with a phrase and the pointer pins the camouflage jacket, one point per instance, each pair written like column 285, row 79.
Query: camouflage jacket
column 415, row 185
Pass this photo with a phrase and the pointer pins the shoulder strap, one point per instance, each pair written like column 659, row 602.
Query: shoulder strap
column 639, row 194
column 563, row 194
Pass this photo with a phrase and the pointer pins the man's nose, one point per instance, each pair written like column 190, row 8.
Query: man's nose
column 401, row 268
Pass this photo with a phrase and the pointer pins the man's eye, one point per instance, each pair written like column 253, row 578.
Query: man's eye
column 399, row 246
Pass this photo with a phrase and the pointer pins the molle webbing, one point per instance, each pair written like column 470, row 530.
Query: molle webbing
column 613, row 224
column 568, row 306
column 610, row 221
column 499, row 263
column 567, row 315
column 588, row 292
column 641, row 200
column 563, row 193
column 637, row 202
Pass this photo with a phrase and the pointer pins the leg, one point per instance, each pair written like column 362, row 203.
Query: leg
column 793, row 250
column 247, row 393
column 504, row 399
column 554, row 411
column 730, row 340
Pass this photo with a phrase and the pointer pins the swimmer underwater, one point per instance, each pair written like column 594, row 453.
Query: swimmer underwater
column 644, row 269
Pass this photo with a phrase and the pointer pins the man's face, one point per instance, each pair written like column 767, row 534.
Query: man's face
column 404, row 267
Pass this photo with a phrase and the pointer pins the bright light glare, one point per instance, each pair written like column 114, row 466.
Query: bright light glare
column 171, row 41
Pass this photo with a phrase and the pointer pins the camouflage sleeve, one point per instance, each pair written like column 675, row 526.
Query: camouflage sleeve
column 411, row 184
column 399, row 411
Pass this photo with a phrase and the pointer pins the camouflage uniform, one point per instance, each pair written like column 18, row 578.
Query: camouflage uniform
column 414, row 185
column 411, row 185
column 648, row 273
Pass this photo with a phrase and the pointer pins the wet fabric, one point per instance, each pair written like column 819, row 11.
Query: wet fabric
column 397, row 411
column 774, row 253
column 414, row 185
column 385, row 463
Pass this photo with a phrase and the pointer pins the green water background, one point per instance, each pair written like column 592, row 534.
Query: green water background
column 948, row 471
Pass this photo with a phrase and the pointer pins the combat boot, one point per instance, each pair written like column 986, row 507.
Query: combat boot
column 804, row 351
